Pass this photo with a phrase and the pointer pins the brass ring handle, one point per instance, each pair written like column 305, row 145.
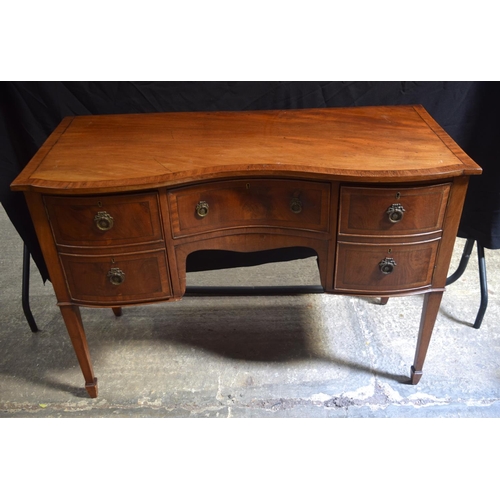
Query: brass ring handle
column 387, row 265
column 116, row 276
column 395, row 212
column 202, row 209
column 296, row 205
column 103, row 221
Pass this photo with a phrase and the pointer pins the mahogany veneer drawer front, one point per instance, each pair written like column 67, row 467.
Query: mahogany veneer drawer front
column 392, row 211
column 104, row 220
column 283, row 203
column 366, row 268
column 103, row 279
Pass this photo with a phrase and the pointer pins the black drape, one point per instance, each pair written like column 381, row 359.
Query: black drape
column 468, row 111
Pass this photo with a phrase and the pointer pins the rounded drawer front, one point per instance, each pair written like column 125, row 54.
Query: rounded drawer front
column 104, row 220
column 382, row 268
column 392, row 211
column 247, row 203
column 108, row 279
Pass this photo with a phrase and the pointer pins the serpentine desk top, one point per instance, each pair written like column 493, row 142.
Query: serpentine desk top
column 106, row 153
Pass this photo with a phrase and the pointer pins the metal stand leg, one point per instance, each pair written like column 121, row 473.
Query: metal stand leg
column 483, row 284
column 26, row 290
column 469, row 244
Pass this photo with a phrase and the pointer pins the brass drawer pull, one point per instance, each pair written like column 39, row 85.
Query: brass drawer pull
column 395, row 212
column 296, row 206
column 387, row 265
column 103, row 221
column 116, row 276
column 202, row 209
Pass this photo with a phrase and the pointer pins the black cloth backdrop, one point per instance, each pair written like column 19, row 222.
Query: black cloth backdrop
column 468, row 111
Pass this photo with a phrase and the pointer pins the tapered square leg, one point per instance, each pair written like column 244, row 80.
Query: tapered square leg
column 415, row 376
column 92, row 389
column 117, row 311
column 73, row 321
column 430, row 311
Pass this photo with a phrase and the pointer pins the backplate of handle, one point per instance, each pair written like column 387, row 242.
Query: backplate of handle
column 387, row 265
column 116, row 276
column 395, row 212
column 295, row 205
column 202, row 209
column 103, row 221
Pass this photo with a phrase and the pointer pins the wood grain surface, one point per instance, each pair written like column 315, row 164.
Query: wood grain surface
column 109, row 153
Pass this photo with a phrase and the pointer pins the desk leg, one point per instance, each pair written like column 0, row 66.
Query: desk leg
column 117, row 311
column 73, row 321
column 430, row 311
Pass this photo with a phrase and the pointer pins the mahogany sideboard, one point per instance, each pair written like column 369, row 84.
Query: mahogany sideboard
column 120, row 201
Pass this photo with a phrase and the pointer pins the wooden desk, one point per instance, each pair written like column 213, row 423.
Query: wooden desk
column 120, row 201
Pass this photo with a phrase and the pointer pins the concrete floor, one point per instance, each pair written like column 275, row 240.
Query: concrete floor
column 289, row 356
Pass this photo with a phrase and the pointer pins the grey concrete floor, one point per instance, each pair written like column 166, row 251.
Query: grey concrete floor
column 289, row 356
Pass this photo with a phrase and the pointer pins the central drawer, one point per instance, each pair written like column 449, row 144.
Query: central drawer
column 302, row 205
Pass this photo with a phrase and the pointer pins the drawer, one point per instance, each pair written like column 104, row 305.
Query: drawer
column 392, row 211
column 249, row 203
column 108, row 279
column 104, row 220
column 379, row 268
